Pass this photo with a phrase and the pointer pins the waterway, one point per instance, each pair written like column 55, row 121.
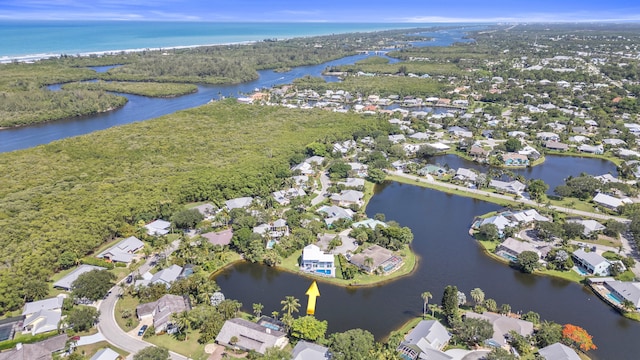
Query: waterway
column 553, row 171
column 140, row 108
column 448, row 256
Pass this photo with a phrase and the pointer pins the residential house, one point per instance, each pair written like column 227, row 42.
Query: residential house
column 105, row 354
column 425, row 341
column 348, row 244
column 466, row 175
column 478, row 152
column 513, row 187
column 376, row 258
column 344, row 146
column 530, row 151
column 515, row 159
column 613, row 142
column 609, row 201
column 41, row 350
column 626, row 153
column 607, row 178
column 578, row 139
column 310, row 351
column 510, row 248
column 283, row 197
column 500, row 222
column 555, row 145
column 431, row 169
column 593, row 263
column 502, row 325
column 459, row 132
column 207, row 210
column 246, row 335
column 164, row 276
column 304, row 168
column 546, row 136
column 43, row 315
column 67, row 281
column 301, row 181
column 420, row 136
column 274, row 230
column 370, row 223
column 348, row 198
column 359, row 169
column 123, row 251
column 334, row 213
column 221, row 238
column 527, row 216
column 558, row 351
column 396, row 139
column 440, row 146
column 590, row 226
column 161, row 311
column 517, row 134
column 238, row 203
column 352, row 183
column 158, row 227
column 624, row 290
column 317, row 262
column 592, row 149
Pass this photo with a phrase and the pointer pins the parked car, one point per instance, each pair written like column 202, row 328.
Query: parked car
column 142, row 330
column 129, row 279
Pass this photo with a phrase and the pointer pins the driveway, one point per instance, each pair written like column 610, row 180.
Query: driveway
column 325, row 182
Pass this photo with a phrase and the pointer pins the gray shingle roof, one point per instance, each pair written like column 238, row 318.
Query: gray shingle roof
column 310, row 351
column 558, row 351
column 250, row 335
column 65, row 282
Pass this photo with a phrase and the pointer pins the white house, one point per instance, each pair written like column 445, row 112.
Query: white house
column 123, row 251
column 510, row 248
column 609, row 201
column 238, row 203
column 158, row 227
column 591, row 262
column 43, row 315
column 317, row 262
column 425, row 341
column 558, row 351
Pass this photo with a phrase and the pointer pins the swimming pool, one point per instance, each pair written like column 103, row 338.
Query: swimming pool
column 614, row 299
column 323, row 271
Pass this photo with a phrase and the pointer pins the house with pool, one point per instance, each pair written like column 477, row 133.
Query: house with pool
column 315, row 261
column 591, row 263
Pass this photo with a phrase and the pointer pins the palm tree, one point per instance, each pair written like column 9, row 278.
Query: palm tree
column 257, row 309
column 182, row 320
column 368, row 262
column 433, row 308
column 290, row 305
column 477, row 295
column 425, row 298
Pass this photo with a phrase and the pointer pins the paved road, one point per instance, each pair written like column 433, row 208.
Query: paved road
column 325, row 182
column 108, row 327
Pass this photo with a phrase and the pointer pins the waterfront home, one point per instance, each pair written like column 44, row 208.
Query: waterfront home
column 623, row 290
column 334, row 213
column 528, row 216
column 221, row 238
column 274, row 230
column 246, row 335
column 376, row 258
column 510, row 248
column 43, row 315
column 609, row 201
column 105, row 354
column 513, row 187
column 310, row 351
column 515, row 159
column 590, row 226
column 348, row 244
column 164, row 276
column 440, row 146
column 500, row 222
column 158, row 227
column 352, row 183
column 315, row 261
column 41, row 350
column 425, row 341
column 558, row 351
column 348, row 198
column 239, row 203
column 67, row 281
column 502, row 325
column 370, row 223
column 591, row 149
column 432, row 170
column 478, row 152
column 591, row 263
column 466, row 175
column 626, row 153
column 555, row 145
column 613, row 142
column 123, row 251
column 607, row 178
column 161, row 310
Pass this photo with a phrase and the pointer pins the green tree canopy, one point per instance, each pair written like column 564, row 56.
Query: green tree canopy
column 152, row 353
column 527, row 261
column 354, row 344
column 92, row 285
column 309, row 328
column 82, row 318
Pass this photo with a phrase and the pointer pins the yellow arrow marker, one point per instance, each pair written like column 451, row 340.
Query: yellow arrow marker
column 313, row 293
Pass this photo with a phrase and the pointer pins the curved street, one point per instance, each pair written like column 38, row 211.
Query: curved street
column 108, row 327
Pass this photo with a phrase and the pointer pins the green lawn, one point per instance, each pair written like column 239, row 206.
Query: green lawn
column 89, row 350
column 189, row 347
column 130, row 303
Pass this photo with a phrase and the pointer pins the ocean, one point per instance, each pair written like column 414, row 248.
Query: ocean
column 31, row 40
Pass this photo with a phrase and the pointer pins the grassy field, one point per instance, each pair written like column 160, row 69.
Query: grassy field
column 129, row 303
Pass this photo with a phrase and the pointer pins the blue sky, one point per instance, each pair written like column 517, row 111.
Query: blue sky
column 324, row 10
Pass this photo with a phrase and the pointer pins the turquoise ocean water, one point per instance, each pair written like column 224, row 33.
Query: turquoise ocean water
column 31, row 40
